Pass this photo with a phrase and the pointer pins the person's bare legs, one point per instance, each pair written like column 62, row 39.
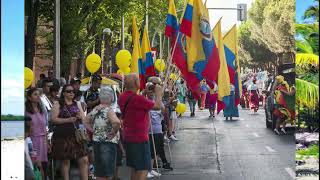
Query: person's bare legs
column 133, row 174
column 170, row 127
column 65, row 167
column 117, row 172
column 83, row 167
column 141, row 175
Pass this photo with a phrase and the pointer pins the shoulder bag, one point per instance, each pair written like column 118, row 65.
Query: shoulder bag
column 80, row 134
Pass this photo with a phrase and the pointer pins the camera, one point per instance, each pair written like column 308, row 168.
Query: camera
column 151, row 86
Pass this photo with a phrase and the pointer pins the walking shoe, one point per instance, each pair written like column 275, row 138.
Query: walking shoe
column 283, row 130
column 155, row 173
column 166, row 139
column 276, row 131
column 172, row 137
column 167, row 166
column 149, row 175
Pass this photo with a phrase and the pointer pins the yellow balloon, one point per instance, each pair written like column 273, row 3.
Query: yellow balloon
column 93, row 63
column 28, row 77
column 126, row 70
column 173, row 77
column 160, row 65
column 120, row 72
column 181, row 108
column 123, row 59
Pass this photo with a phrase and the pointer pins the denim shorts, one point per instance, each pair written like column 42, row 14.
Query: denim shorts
column 138, row 156
column 104, row 159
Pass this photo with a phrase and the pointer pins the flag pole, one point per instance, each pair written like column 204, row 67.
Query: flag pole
column 170, row 60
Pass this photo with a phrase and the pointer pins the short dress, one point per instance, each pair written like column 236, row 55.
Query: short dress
column 38, row 135
column 64, row 144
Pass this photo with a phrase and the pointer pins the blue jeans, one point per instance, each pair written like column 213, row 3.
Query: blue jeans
column 192, row 104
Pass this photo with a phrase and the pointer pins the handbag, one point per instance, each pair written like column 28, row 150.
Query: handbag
column 80, row 133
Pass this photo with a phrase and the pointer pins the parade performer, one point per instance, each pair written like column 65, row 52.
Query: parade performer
column 244, row 96
column 253, row 96
column 231, row 110
column 211, row 100
column 284, row 103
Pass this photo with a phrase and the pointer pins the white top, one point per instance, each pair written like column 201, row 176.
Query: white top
column 252, row 87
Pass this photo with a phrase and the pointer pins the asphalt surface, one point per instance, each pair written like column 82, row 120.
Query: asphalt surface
column 216, row 149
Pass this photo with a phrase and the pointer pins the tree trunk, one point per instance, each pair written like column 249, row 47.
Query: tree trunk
column 32, row 21
column 97, row 47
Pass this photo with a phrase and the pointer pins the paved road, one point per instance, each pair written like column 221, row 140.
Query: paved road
column 216, row 149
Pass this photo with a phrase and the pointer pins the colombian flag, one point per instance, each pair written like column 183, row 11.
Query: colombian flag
column 147, row 55
column 231, row 54
column 136, row 62
column 179, row 53
column 223, row 76
column 202, row 52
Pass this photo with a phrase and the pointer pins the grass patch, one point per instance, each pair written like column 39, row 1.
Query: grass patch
column 313, row 150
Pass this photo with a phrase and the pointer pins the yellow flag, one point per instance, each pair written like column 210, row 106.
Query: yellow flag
column 145, row 45
column 231, row 42
column 223, row 75
column 136, row 53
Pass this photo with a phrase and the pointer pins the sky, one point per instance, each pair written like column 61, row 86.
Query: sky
column 12, row 57
column 229, row 17
column 301, row 7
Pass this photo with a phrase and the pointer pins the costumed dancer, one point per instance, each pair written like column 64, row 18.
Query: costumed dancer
column 284, row 104
column 253, row 96
column 211, row 100
column 231, row 110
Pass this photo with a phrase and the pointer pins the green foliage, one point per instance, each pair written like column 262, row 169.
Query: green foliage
column 312, row 12
column 83, row 21
column 313, row 150
column 307, row 93
column 268, row 35
column 273, row 24
column 251, row 52
column 11, row 117
column 307, row 38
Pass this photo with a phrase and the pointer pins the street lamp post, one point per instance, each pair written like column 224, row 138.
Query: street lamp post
column 106, row 37
column 57, row 39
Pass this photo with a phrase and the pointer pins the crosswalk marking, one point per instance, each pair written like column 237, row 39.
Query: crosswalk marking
column 270, row 149
column 256, row 134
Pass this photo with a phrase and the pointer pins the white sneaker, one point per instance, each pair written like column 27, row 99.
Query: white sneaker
column 283, row 130
column 172, row 137
column 166, row 139
column 276, row 131
column 149, row 175
column 155, row 173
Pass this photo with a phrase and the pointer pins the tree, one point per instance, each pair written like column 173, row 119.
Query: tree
column 251, row 53
column 312, row 12
column 307, row 38
column 273, row 27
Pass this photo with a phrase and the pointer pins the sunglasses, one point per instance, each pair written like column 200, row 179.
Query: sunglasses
column 69, row 91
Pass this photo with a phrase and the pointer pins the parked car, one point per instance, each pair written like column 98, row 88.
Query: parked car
column 288, row 72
